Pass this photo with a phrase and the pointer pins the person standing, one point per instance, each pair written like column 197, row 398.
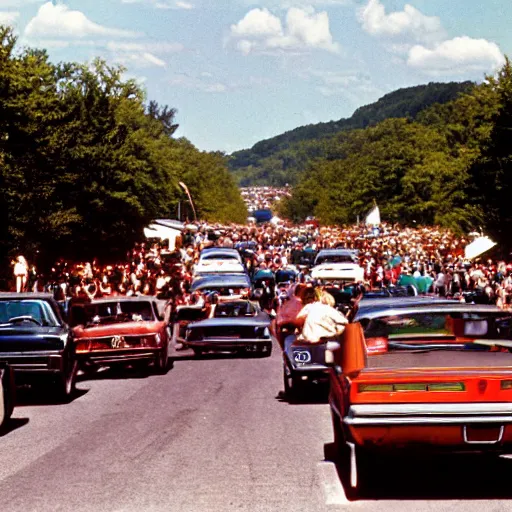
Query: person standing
column 21, row 274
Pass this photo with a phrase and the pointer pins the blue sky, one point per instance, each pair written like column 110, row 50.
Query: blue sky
column 239, row 71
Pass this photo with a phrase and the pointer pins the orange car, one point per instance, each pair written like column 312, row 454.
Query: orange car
column 425, row 379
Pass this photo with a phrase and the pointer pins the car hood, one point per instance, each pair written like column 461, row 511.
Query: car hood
column 119, row 329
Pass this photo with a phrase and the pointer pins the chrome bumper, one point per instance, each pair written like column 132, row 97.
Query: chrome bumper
column 429, row 414
column 34, row 362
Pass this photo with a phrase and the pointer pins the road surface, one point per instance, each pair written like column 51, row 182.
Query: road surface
column 213, row 434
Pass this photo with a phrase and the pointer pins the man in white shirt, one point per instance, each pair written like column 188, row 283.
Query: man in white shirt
column 321, row 321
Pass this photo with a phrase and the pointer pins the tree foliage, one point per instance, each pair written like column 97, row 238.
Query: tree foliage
column 450, row 166
column 85, row 164
column 282, row 159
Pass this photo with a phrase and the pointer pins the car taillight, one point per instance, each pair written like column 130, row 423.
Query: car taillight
column 82, row 346
column 411, row 386
column 376, row 346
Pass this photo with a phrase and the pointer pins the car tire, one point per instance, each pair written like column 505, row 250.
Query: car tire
column 293, row 386
column 162, row 361
column 65, row 384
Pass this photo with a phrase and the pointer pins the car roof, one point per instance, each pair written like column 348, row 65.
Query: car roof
column 122, row 298
column 348, row 252
column 433, row 307
column 223, row 250
column 234, row 280
column 27, row 295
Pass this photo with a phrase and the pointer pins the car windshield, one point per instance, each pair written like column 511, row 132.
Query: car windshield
column 234, row 309
column 35, row 311
column 112, row 312
column 452, row 338
column 217, row 256
column 334, row 258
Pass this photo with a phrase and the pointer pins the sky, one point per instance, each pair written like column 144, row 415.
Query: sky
column 239, row 71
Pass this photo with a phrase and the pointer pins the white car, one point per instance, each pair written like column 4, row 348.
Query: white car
column 337, row 265
column 216, row 260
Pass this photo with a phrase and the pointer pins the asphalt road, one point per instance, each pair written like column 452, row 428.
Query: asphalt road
column 211, row 435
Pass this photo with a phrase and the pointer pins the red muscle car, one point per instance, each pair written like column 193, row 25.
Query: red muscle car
column 121, row 330
column 424, row 380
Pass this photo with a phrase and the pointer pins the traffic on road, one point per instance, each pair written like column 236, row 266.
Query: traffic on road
column 363, row 347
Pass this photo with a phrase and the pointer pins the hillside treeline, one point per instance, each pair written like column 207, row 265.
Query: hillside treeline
column 86, row 163
column 450, row 166
column 281, row 159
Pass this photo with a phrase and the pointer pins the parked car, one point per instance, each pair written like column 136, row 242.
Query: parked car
column 234, row 326
column 35, row 341
column 421, row 380
column 122, row 330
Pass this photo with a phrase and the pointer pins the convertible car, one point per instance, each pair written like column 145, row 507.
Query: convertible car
column 234, row 326
column 421, row 379
column 121, row 330
column 36, row 342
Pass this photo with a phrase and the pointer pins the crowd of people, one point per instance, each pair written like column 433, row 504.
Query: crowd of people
column 387, row 253
column 262, row 198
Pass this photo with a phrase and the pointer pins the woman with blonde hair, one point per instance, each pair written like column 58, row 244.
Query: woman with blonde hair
column 21, row 274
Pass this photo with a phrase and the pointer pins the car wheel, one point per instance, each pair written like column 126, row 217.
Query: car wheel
column 162, row 360
column 353, row 464
column 65, row 384
column 292, row 385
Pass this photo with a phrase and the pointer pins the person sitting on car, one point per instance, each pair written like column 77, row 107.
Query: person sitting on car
column 321, row 320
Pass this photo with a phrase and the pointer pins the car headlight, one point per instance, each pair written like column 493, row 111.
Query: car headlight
column 302, row 356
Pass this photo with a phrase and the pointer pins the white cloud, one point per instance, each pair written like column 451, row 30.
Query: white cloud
column 60, row 21
column 159, row 48
column 409, row 24
column 163, row 4
column 457, row 56
column 258, row 22
column 8, row 17
column 286, row 4
column 139, row 60
column 303, row 29
column 141, row 55
column 7, row 4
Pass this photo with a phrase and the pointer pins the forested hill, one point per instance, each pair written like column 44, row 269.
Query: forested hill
column 279, row 160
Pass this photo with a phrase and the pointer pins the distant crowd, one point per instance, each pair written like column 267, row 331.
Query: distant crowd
column 389, row 255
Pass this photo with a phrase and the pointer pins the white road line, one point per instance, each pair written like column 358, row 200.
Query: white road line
column 333, row 490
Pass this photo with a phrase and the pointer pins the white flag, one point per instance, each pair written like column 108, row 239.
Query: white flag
column 373, row 218
column 478, row 247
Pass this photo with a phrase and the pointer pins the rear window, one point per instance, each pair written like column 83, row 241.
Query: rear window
column 446, row 339
column 112, row 312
